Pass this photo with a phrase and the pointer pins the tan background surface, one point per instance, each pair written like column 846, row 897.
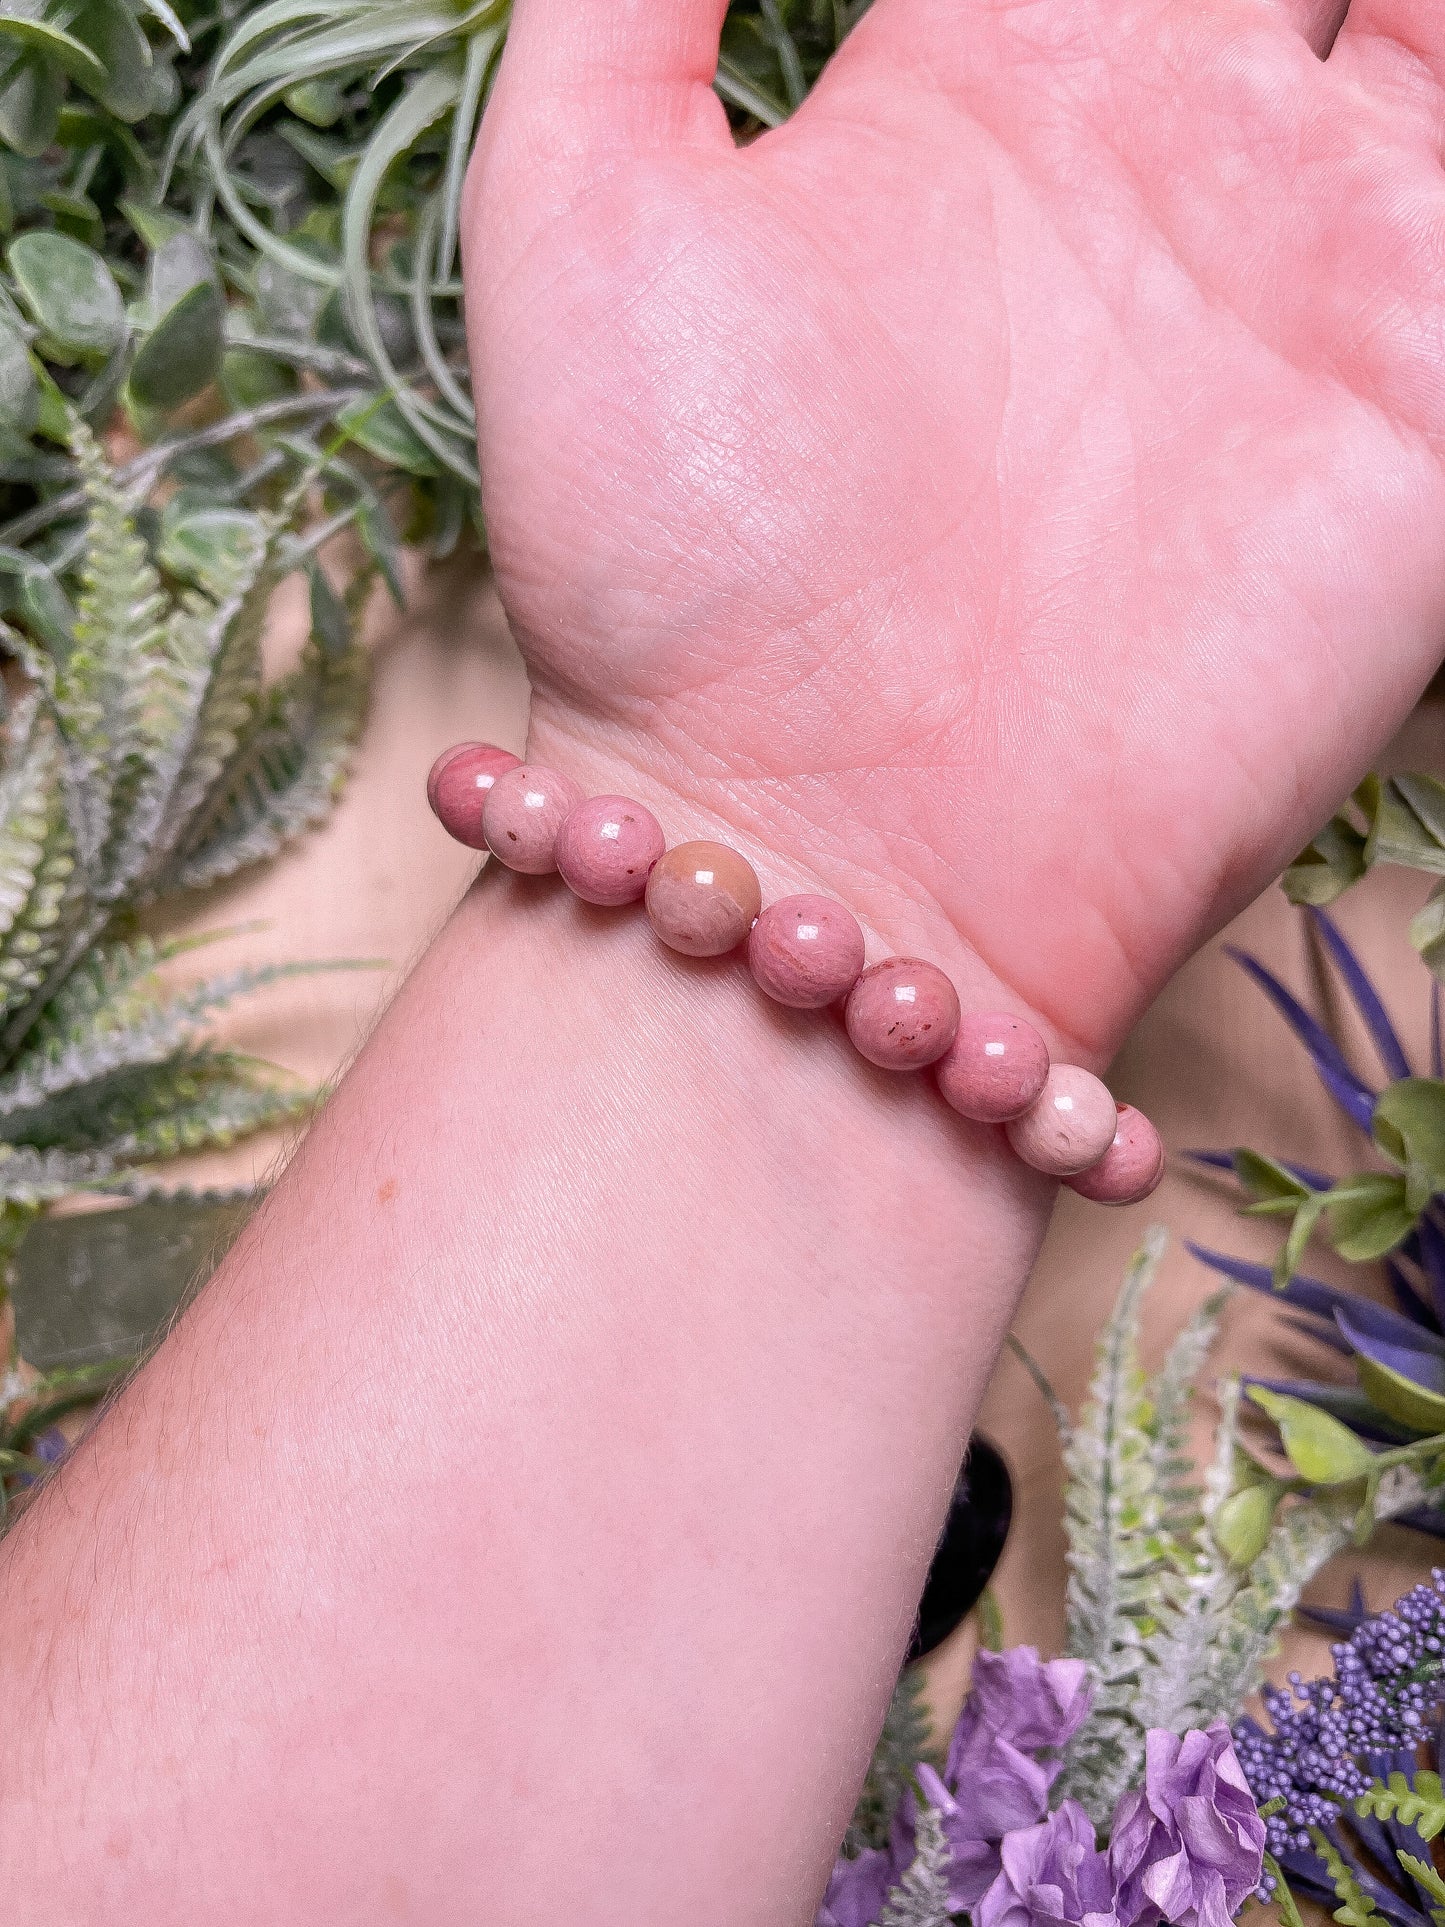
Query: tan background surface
column 1211, row 1063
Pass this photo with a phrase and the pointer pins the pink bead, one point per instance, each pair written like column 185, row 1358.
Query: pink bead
column 606, row 848
column 460, row 781
column 702, row 898
column 522, row 815
column 1130, row 1168
column 806, row 951
column 995, row 1067
column 1069, row 1126
column 902, row 1013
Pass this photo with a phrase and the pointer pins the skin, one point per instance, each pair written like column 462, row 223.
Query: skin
column 1009, row 498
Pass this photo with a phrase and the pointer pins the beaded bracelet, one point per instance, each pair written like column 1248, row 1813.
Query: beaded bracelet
column 704, row 899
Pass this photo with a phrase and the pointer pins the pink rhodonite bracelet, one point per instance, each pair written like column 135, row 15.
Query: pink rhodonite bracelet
column 704, row 899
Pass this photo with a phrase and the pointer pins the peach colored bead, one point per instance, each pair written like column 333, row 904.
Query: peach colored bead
column 1069, row 1126
column 1130, row 1168
column 702, row 898
column 459, row 784
column 995, row 1067
column 522, row 815
column 606, row 847
column 902, row 1013
column 806, row 951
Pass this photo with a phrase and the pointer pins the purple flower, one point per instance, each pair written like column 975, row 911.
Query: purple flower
column 1037, row 1703
column 857, row 1889
column 1019, row 1705
column 1051, row 1875
column 1187, row 1846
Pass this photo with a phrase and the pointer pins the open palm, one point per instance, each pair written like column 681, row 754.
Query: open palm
column 1013, row 489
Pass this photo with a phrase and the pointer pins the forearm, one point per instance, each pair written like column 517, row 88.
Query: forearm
column 526, row 1524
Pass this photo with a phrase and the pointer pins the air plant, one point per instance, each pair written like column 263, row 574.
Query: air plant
column 1392, row 1214
column 144, row 754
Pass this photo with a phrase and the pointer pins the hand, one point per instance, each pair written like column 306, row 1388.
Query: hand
column 1012, row 489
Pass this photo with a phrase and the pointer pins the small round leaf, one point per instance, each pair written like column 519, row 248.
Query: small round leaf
column 182, row 352
column 69, row 291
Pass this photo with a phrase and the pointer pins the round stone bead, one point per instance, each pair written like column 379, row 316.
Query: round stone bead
column 806, row 951
column 459, row 784
column 1130, row 1168
column 606, row 847
column 522, row 815
column 902, row 1013
column 995, row 1067
column 702, row 898
column 1069, row 1126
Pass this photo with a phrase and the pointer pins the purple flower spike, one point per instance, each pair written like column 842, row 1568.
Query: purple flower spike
column 1188, row 1846
column 1052, row 1875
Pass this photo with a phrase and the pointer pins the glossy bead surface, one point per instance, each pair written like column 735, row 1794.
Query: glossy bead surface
column 459, row 784
column 995, row 1067
column 1130, row 1168
column 702, row 898
column 1069, row 1126
column 902, row 1013
column 806, row 951
column 522, row 815
column 606, row 848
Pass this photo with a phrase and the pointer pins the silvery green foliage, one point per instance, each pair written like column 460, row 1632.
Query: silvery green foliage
column 905, row 1740
column 920, row 1898
column 1179, row 1588
column 145, row 755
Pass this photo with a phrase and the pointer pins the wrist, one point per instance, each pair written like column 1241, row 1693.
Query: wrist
column 801, row 842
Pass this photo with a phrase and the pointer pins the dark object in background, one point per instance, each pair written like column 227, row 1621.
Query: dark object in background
column 973, row 1539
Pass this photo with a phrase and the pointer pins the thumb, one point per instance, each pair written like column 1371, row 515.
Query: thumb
column 580, row 78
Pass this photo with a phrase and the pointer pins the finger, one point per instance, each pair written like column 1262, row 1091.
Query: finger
column 1396, row 49
column 585, row 75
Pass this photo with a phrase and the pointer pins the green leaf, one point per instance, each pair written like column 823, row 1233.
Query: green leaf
column 43, row 40
column 19, row 390
column 1319, row 1448
column 1354, row 1909
column 1300, row 1232
column 70, row 292
column 181, row 262
column 249, row 378
column 1242, row 1522
column 1426, row 797
column 1328, row 866
column 378, row 426
column 47, row 610
column 1369, row 1216
column 182, row 353
column 1421, row 1805
column 1400, row 1397
column 109, row 30
column 1426, row 1877
column 1409, row 1124
column 1268, row 1181
column 104, row 1284
column 30, row 105
column 321, row 101
column 1398, row 834
column 155, row 225
column 1284, row 1899
column 208, row 546
column 1427, row 930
